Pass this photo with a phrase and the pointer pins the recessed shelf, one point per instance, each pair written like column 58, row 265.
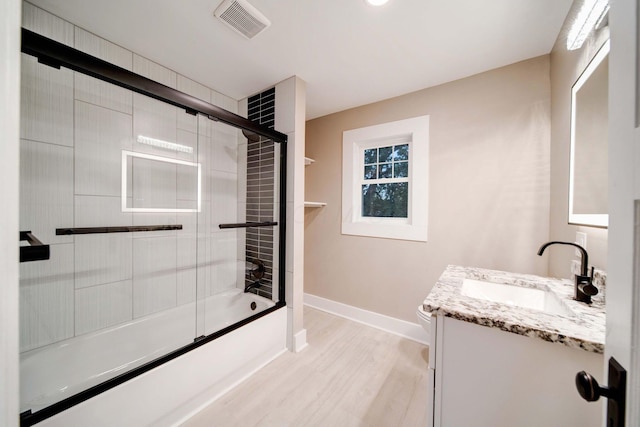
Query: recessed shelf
column 314, row 204
column 307, row 162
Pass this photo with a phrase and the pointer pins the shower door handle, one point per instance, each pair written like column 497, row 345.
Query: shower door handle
column 36, row 251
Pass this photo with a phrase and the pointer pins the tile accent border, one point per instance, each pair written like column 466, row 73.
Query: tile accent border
column 261, row 190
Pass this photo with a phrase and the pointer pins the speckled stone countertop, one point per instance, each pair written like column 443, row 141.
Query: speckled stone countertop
column 585, row 329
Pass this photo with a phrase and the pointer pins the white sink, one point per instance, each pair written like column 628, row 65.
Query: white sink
column 534, row 299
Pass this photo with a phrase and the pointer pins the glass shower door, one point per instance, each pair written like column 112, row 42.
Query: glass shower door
column 111, row 181
column 236, row 273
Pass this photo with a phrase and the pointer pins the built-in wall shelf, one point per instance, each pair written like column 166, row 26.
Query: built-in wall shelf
column 314, row 204
column 307, row 162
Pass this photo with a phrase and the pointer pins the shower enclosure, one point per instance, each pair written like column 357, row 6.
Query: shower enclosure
column 153, row 223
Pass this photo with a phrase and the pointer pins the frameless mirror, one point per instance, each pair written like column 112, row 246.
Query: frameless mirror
column 588, row 198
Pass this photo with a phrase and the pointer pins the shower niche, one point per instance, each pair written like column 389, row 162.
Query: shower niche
column 143, row 194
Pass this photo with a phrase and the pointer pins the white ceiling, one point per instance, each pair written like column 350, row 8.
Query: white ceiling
column 349, row 53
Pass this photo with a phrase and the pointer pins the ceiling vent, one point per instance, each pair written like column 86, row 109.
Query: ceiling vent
column 242, row 17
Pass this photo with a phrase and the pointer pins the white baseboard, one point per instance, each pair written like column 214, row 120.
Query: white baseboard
column 300, row 341
column 412, row 331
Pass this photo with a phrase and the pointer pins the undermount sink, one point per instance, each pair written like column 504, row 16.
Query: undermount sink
column 531, row 298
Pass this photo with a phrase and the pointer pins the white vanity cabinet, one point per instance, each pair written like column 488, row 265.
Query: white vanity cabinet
column 482, row 376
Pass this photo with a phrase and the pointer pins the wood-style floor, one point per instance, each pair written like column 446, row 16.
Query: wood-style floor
column 350, row 375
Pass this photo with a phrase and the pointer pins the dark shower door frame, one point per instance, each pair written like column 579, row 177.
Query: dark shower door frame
column 54, row 54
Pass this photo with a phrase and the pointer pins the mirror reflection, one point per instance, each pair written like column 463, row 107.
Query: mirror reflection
column 588, row 198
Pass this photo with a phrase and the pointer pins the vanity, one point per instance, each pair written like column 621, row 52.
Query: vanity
column 506, row 347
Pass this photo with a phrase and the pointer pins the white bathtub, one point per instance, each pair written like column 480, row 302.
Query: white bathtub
column 52, row 373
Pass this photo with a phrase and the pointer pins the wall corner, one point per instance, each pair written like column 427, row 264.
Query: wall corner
column 290, row 119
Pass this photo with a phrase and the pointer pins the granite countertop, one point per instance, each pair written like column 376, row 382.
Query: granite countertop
column 585, row 329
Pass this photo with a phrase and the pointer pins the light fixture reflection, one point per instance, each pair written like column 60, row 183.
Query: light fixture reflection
column 164, row 144
column 376, row 2
column 592, row 11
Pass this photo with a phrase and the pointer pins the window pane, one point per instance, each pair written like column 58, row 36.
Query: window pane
column 401, row 169
column 401, row 152
column 370, row 172
column 384, row 171
column 385, row 200
column 385, row 154
column 370, row 155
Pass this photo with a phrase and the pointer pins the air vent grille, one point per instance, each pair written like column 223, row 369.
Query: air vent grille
column 242, row 17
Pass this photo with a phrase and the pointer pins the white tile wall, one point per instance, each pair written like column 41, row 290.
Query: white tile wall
column 205, row 126
column 205, row 250
column 190, row 139
column 224, row 207
column 242, row 193
column 96, row 281
column 101, row 135
column 46, row 103
column 187, row 176
column 98, row 211
column 46, row 299
column 154, row 71
column 41, row 22
column 154, row 184
column 92, row 90
column 154, row 119
column 189, row 250
column 205, row 150
column 242, row 173
column 187, row 185
column 46, row 190
column 225, row 264
column 95, row 91
column 98, row 307
column 186, row 279
column 154, row 275
column 223, row 101
column 193, row 88
column 225, row 148
column 102, row 258
column 103, row 49
column 154, row 218
column 186, row 121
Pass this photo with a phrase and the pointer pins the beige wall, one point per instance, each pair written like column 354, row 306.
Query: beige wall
column 566, row 67
column 488, row 190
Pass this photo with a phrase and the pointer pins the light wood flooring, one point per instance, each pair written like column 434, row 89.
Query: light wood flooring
column 349, row 375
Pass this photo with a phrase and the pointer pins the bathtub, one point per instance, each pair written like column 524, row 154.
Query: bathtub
column 55, row 372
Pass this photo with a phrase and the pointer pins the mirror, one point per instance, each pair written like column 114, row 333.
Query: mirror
column 588, row 198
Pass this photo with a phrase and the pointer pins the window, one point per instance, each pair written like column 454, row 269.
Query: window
column 385, row 180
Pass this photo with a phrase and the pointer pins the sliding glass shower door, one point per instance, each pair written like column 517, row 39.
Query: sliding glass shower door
column 111, row 181
column 149, row 229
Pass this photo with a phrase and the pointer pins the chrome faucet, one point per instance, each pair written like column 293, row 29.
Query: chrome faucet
column 584, row 288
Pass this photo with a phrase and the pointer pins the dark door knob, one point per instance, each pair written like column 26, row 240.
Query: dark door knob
column 589, row 388
column 591, row 391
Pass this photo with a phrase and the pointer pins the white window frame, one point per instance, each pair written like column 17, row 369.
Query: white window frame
column 415, row 132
